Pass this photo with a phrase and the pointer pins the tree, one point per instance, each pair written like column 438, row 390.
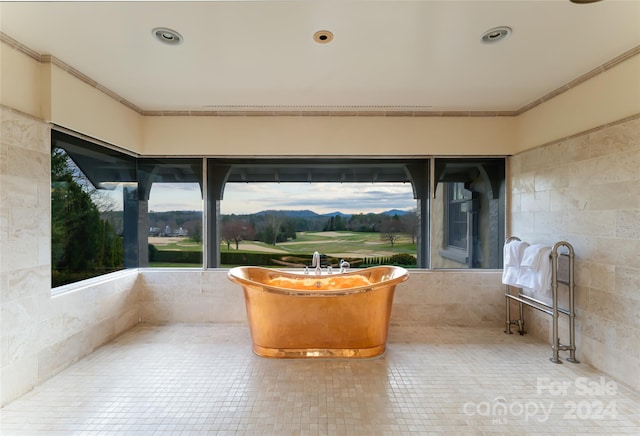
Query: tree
column 287, row 230
column 81, row 242
column 390, row 229
column 236, row 230
column 273, row 222
column 329, row 226
column 194, row 227
column 410, row 225
column 76, row 226
column 335, row 223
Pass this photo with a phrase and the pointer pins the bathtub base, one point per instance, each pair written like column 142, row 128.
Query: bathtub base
column 313, row 353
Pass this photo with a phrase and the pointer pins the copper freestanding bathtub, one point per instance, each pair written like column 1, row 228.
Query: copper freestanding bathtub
column 305, row 316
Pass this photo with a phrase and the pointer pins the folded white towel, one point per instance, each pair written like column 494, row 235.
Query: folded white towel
column 533, row 255
column 513, row 252
column 512, row 257
column 535, row 269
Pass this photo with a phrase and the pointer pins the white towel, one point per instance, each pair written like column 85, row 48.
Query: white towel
column 512, row 257
column 535, row 269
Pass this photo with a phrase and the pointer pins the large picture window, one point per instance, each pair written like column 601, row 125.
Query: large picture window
column 91, row 187
column 112, row 210
column 278, row 212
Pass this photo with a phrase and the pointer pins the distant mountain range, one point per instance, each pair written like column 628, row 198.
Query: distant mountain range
column 312, row 214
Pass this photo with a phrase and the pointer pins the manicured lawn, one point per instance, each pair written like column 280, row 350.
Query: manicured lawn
column 175, row 244
column 348, row 245
column 353, row 244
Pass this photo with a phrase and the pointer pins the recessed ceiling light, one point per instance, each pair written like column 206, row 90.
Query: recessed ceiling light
column 496, row 34
column 167, row 36
column 323, row 36
column 580, row 2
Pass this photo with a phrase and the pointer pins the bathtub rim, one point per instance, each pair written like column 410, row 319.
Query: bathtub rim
column 397, row 276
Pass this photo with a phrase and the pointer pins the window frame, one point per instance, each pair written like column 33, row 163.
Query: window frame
column 485, row 178
column 304, row 169
column 452, row 251
column 170, row 170
column 93, row 161
column 423, row 173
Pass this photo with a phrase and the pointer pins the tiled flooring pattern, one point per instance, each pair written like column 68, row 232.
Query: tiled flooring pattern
column 203, row 379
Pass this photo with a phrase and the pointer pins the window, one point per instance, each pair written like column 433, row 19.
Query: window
column 282, row 224
column 356, row 183
column 457, row 206
column 112, row 210
column 468, row 213
column 90, row 188
column 171, row 195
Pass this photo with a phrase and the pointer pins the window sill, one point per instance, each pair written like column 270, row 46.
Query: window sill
column 455, row 254
column 84, row 284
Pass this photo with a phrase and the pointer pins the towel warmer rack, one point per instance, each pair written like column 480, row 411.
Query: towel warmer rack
column 564, row 275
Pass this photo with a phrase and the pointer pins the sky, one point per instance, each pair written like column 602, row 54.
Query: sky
column 246, row 198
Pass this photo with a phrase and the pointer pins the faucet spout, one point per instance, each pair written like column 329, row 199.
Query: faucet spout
column 315, row 262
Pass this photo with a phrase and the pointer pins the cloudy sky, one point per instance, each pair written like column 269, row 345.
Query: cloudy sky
column 244, row 198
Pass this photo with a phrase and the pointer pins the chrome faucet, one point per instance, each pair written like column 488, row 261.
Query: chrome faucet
column 315, row 262
column 344, row 265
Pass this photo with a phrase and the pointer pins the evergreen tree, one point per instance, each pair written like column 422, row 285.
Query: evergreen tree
column 81, row 242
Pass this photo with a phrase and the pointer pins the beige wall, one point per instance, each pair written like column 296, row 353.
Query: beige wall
column 85, row 109
column 608, row 97
column 41, row 334
column 342, row 136
column 586, row 191
column 48, row 92
column 21, row 81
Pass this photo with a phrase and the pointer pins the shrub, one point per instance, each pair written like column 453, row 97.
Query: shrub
column 403, row 259
column 178, row 256
column 152, row 252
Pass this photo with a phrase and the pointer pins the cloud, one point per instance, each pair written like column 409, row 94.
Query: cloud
column 175, row 196
column 319, row 197
column 244, row 198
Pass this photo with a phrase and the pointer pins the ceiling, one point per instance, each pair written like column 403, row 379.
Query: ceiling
column 385, row 55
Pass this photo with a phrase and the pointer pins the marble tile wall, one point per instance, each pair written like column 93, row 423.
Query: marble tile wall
column 428, row 298
column 586, row 190
column 41, row 334
column 189, row 296
column 450, row 298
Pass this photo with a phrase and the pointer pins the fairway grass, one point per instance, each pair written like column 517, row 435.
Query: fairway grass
column 340, row 244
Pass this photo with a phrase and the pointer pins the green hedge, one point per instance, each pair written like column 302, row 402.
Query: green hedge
column 240, row 258
column 177, row 256
column 401, row 259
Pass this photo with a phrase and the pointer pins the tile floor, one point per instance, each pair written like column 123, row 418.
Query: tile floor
column 203, row 379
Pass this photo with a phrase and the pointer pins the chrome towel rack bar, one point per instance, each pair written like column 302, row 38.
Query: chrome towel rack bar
column 562, row 272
